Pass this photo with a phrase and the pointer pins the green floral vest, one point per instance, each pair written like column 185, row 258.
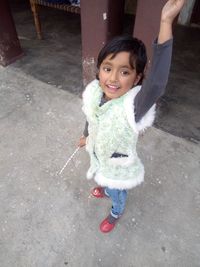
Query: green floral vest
column 113, row 132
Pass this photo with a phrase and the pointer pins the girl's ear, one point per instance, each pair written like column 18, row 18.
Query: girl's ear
column 137, row 79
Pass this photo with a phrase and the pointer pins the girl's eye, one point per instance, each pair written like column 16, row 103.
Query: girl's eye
column 125, row 72
column 106, row 69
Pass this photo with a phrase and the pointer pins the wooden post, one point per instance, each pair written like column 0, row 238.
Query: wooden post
column 35, row 10
column 100, row 21
column 10, row 48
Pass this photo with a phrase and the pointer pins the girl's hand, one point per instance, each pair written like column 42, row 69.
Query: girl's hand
column 171, row 10
column 82, row 141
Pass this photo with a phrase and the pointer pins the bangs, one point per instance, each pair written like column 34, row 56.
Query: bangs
column 132, row 58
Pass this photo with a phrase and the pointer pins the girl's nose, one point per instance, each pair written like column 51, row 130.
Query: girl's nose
column 113, row 76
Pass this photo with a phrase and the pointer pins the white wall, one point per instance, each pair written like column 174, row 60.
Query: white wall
column 185, row 15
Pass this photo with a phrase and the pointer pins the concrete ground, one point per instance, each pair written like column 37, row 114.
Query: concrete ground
column 51, row 220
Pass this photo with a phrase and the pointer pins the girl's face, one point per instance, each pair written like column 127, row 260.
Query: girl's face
column 116, row 76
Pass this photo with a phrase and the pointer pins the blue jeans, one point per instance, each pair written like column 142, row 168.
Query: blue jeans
column 118, row 198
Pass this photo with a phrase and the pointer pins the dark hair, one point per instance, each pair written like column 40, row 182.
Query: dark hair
column 126, row 43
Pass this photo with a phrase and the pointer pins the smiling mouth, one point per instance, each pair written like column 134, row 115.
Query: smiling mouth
column 112, row 88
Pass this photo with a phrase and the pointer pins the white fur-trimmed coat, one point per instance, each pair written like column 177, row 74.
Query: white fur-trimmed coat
column 113, row 131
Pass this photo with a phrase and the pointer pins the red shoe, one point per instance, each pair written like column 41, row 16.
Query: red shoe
column 106, row 226
column 98, row 192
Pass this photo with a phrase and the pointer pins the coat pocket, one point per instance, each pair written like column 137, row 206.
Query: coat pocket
column 119, row 159
column 118, row 155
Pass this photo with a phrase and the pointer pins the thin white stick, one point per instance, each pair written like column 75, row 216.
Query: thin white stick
column 69, row 159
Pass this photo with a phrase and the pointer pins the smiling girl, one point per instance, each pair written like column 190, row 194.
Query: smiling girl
column 118, row 108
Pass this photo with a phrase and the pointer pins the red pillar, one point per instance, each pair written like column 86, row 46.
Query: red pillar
column 147, row 22
column 195, row 18
column 10, row 48
column 100, row 21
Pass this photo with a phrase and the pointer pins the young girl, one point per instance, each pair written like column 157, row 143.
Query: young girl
column 117, row 109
